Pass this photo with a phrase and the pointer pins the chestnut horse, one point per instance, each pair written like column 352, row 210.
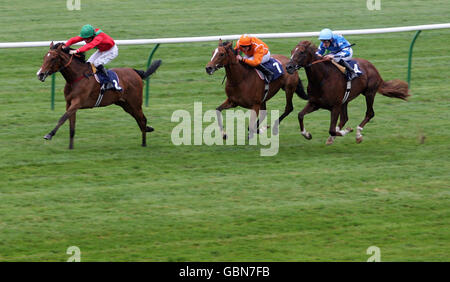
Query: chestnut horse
column 82, row 90
column 244, row 87
column 327, row 85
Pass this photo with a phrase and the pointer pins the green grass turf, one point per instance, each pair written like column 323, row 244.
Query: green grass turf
column 118, row 201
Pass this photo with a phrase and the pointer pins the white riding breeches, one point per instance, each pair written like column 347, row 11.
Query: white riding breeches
column 345, row 54
column 102, row 58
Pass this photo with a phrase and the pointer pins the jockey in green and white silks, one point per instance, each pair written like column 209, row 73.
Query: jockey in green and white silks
column 339, row 48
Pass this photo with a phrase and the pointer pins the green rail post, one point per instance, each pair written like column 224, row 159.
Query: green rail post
column 147, row 81
column 53, row 93
column 410, row 57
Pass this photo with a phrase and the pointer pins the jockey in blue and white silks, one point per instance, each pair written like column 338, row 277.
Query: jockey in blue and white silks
column 339, row 48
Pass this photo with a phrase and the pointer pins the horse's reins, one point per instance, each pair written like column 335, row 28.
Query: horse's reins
column 316, row 62
column 323, row 60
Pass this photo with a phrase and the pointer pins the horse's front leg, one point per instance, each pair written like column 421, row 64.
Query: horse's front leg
column 74, row 106
column 225, row 105
column 336, row 111
column 309, row 108
column 253, row 123
column 72, row 120
column 343, row 118
column 261, row 119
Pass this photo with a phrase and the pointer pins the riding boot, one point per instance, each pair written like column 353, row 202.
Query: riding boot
column 351, row 74
column 108, row 84
column 267, row 73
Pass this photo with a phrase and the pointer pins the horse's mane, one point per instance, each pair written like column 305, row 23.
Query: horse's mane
column 79, row 57
column 308, row 45
column 235, row 52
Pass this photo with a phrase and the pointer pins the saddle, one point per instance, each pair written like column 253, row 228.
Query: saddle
column 353, row 64
column 102, row 80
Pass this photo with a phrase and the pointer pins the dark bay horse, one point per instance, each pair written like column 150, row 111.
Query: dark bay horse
column 327, row 85
column 244, row 87
column 82, row 90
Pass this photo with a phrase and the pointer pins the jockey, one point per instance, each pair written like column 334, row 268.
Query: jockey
column 107, row 51
column 255, row 52
column 340, row 49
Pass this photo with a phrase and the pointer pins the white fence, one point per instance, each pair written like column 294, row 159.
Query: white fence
column 233, row 37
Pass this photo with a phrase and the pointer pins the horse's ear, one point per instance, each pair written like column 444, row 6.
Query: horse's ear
column 51, row 45
column 220, row 41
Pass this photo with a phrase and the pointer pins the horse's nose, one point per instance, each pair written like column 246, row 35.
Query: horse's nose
column 209, row 70
column 290, row 68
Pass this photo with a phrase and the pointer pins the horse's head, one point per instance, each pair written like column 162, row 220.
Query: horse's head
column 55, row 60
column 301, row 55
column 222, row 55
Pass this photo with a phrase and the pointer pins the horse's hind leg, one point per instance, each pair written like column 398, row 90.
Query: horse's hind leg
column 287, row 110
column 140, row 119
column 370, row 97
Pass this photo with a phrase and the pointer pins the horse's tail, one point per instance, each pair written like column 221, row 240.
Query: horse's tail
column 300, row 91
column 394, row 89
column 153, row 67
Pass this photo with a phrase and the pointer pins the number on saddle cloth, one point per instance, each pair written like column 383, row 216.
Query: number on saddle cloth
column 275, row 67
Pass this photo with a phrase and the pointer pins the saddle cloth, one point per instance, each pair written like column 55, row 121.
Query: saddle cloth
column 100, row 77
column 354, row 65
column 274, row 66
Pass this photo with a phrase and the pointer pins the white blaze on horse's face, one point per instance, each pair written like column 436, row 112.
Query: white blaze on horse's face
column 39, row 71
column 215, row 53
column 294, row 53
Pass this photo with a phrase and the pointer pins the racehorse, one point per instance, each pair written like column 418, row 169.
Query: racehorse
column 245, row 88
column 327, row 86
column 82, row 91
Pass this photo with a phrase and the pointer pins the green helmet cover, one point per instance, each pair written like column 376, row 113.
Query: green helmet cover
column 87, row 31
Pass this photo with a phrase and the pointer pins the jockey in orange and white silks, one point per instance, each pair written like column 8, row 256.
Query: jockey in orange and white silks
column 256, row 53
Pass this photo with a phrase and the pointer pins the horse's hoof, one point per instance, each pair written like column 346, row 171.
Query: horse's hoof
column 48, row 137
column 262, row 130
column 349, row 129
column 150, row 129
column 224, row 137
column 144, row 145
column 307, row 136
column 330, row 140
column 359, row 140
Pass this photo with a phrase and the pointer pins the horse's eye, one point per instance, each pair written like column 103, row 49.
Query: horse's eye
column 222, row 54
